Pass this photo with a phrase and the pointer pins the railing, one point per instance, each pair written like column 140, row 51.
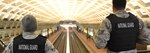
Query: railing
column 143, row 51
column 2, row 43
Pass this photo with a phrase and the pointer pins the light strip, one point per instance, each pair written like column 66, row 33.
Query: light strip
column 68, row 44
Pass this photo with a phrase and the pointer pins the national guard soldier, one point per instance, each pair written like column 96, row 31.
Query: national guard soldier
column 28, row 42
column 120, row 31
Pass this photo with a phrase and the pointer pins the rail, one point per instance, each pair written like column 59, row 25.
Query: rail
column 60, row 43
column 2, row 44
column 143, row 51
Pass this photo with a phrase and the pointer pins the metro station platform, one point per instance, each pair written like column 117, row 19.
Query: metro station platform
column 89, row 43
column 52, row 15
column 78, row 42
column 52, row 38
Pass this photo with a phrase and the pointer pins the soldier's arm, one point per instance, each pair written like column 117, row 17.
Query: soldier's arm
column 144, row 34
column 49, row 48
column 9, row 48
column 103, row 34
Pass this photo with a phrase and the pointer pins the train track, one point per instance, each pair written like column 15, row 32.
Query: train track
column 76, row 45
column 60, row 43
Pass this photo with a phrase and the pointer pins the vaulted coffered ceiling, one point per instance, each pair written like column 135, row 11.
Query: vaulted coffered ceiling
column 83, row 11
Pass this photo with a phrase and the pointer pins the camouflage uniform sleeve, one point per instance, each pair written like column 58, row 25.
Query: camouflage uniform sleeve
column 9, row 48
column 103, row 34
column 144, row 36
column 49, row 48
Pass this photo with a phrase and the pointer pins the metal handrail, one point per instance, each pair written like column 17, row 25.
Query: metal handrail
column 143, row 51
column 2, row 43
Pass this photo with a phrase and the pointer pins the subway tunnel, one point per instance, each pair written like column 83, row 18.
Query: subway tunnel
column 66, row 23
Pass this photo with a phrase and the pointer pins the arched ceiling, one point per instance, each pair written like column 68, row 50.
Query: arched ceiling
column 83, row 11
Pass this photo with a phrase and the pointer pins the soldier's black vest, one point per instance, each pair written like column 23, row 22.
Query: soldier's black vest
column 21, row 45
column 124, row 33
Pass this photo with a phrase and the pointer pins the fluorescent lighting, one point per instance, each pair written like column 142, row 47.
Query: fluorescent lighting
column 68, row 25
column 68, row 44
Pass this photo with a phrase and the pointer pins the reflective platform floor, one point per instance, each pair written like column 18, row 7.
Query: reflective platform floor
column 75, row 44
column 60, row 43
